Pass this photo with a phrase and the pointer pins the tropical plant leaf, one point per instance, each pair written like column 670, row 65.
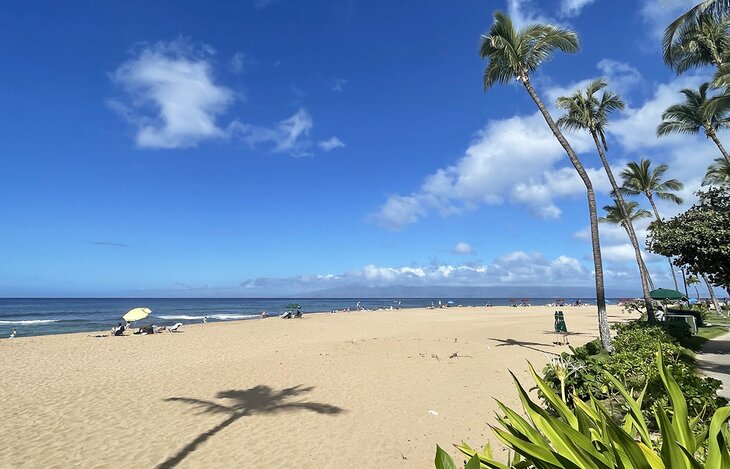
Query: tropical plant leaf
column 443, row 460
column 671, row 453
column 718, row 454
column 680, row 420
column 557, row 403
column 634, row 409
column 473, row 463
column 536, row 453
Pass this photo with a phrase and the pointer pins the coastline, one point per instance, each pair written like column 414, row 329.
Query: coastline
column 261, row 393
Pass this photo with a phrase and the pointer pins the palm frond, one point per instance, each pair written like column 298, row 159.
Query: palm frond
column 708, row 8
column 514, row 54
column 718, row 173
column 668, row 128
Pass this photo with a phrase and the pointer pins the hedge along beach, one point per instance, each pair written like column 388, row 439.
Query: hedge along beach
column 265, row 393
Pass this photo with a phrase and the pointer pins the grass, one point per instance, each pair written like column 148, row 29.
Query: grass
column 695, row 343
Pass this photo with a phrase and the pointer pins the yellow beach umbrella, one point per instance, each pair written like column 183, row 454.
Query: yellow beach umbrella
column 136, row 314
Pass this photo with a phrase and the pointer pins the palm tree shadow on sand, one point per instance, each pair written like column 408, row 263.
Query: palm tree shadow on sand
column 256, row 400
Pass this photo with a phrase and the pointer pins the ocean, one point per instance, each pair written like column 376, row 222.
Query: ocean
column 33, row 317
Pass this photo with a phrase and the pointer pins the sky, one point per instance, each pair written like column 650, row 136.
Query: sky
column 274, row 147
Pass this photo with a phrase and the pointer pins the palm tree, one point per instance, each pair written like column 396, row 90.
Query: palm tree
column 694, row 115
column 713, row 297
column 699, row 43
column 586, row 111
column 718, row 173
column 515, row 54
column 638, row 178
column 693, row 280
column 617, row 216
column 671, row 44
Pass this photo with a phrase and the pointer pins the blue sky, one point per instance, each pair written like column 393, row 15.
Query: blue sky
column 274, row 147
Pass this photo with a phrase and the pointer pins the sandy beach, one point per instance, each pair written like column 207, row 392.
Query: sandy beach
column 366, row 389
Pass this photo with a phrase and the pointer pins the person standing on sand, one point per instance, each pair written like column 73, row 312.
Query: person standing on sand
column 13, row 334
column 205, row 319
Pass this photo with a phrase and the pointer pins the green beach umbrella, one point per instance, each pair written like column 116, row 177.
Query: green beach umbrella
column 136, row 314
column 666, row 294
column 293, row 306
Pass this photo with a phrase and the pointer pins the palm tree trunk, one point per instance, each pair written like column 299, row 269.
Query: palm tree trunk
column 643, row 268
column 713, row 297
column 643, row 273
column 603, row 330
column 659, row 220
column 711, row 133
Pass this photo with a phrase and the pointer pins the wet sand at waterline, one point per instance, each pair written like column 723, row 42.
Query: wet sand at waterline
column 360, row 389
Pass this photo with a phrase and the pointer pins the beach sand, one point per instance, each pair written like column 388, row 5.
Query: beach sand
column 360, row 389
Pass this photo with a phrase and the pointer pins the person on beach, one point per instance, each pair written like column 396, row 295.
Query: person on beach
column 205, row 319
column 119, row 330
column 13, row 334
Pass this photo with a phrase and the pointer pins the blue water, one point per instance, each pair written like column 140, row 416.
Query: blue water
column 31, row 317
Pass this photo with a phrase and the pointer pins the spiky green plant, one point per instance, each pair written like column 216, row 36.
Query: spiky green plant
column 588, row 437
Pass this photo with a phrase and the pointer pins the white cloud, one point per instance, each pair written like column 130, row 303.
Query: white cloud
column 238, row 63
column 486, row 175
column 463, row 248
column 523, row 12
column 658, row 14
column 174, row 101
column 287, row 136
column 636, row 128
column 571, row 8
column 620, row 76
column 514, row 268
column 338, row 85
column 330, row 144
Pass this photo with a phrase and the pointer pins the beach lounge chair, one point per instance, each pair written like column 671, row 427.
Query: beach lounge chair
column 175, row 328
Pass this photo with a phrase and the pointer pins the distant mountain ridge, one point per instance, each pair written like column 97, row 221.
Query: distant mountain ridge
column 395, row 291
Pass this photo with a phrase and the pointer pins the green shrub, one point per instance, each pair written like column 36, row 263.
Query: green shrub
column 593, row 347
column 634, row 363
column 587, row 435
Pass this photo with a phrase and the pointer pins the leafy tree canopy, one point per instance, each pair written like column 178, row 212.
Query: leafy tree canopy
column 700, row 237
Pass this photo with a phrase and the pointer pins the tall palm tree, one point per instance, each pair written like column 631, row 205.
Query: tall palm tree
column 694, row 115
column 713, row 297
column 716, row 9
column 718, row 173
column 693, row 280
column 587, row 111
column 638, row 178
column 618, row 216
column 515, row 54
column 699, row 43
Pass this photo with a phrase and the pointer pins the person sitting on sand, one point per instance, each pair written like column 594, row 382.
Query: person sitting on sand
column 264, row 314
column 298, row 314
column 13, row 334
column 119, row 330
column 286, row 315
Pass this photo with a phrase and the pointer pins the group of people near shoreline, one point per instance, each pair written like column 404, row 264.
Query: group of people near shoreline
column 119, row 329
